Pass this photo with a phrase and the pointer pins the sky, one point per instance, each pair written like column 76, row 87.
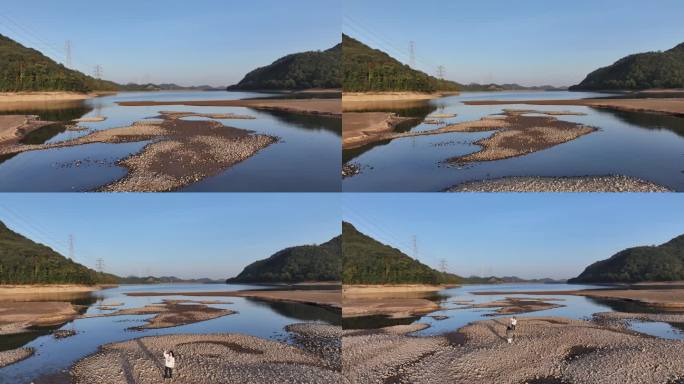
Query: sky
column 531, row 42
column 184, row 235
column 214, row 42
column 527, row 235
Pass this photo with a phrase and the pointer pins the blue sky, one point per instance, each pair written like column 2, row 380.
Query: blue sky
column 192, row 43
column 528, row 235
column 186, row 235
column 528, row 42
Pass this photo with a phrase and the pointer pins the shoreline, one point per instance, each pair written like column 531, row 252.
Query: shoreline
column 322, row 107
column 578, row 184
column 394, row 301
column 667, row 106
column 14, row 97
column 353, row 97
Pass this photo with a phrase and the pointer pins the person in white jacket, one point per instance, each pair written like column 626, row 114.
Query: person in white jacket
column 169, row 364
column 514, row 322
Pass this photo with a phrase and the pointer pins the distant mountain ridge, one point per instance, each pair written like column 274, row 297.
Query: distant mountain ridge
column 167, row 87
column 164, row 280
column 508, row 280
column 23, row 261
column 367, row 69
column 296, row 264
column 663, row 262
column 312, row 69
column 492, row 87
column 367, row 261
column 639, row 71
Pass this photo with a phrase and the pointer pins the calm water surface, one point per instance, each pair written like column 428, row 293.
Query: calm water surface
column 285, row 166
column 258, row 318
column 647, row 146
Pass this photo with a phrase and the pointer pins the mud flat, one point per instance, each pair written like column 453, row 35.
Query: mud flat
column 172, row 313
column 613, row 183
column 361, row 128
column 545, row 350
column 213, row 358
column 325, row 297
column 395, row 301
column 348, row 97
column 15, row 127
column 668, row 106
column 13, row 97
column 331, row 107
column 515, row 305
column 181, row 152
column 17, row 317
column 15, row 355
column 18, row 292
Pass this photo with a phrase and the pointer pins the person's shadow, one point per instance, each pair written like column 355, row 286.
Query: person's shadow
column 493, row 329
column 151, row 356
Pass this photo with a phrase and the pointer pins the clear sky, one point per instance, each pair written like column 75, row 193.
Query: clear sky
column 185, row 235
column 530, row 42
column 196, row 42
column 527, row 235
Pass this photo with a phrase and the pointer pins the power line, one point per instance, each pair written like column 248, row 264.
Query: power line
column 412, row 53
column 67, row 53
column 71, row 247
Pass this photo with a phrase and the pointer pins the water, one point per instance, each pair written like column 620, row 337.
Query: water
column 573, row 307
column 646, row 146
column 258, row 318
column 285, row 166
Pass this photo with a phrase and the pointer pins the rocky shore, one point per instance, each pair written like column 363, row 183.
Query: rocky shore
column 15, row 355
column 213, row 358
column 613, row 183
column 545, row 350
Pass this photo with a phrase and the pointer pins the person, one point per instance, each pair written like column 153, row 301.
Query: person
column 169, row 364
column 509, row 333
column 514, row 322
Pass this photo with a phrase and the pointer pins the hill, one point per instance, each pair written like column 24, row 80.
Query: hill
column 26, row 69
column 367, row 261
column 23, row 261
column 313, row 69
column 639, row 71
column 664, row 262
column 367, row 69
column 296, row 264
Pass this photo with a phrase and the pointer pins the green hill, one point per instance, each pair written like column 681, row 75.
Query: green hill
column 664, row 262
column 23, row 261
column 25, row 69
column 367, row 261
column 296, row 264
column 313, row 69
column 367, row 69
column 639, row 71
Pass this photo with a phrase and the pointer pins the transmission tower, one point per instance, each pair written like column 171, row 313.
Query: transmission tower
column 71, row 247
column 97, row 72
column 67, row 51
column 440, row 72
column 415, row 247
column 412, row 53
column 443, row 266
column 99, row 265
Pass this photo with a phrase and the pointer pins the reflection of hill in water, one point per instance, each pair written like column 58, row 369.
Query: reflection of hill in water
column 418, row 110
column 63, row 112
column 308, row 122
column 305, row 312
column 652, row 121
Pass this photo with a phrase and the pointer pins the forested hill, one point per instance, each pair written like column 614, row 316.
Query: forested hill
column 367, row 70
column 639, row 71
column 664, row 262
column 23, row 261
column 25, row 69
column 367, row 261
column 296, row 264
column 313, row 69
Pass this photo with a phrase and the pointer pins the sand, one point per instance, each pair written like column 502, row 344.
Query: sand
column 15, row 355
column 670, row 106
column 12, row 291
column 181, row 152
column 545, row 350
column 13, row 97
column 348, row 97
column 612, row 183
column 325, row 297
column 329, row 107
column 210, row 359
column 361, row 128
column 515, row 305
column 17, row 317
column 15, row 127
column 395, row 301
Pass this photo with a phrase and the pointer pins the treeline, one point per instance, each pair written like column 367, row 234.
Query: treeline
column 25, row 69
column 296, row 264
column 367, row 261
column 314, row 69
column 23, row 261
column 639, row 71
column 664, row 262
column 367, row 69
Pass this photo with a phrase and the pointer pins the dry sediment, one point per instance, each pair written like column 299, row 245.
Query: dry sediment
column 213, row 358
column 515, row 305
column 15, row 127
column 15, row 355
column 324, row 107
column 17, row 317
column 613, row 183
column 549, row 349
column 322, row 340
